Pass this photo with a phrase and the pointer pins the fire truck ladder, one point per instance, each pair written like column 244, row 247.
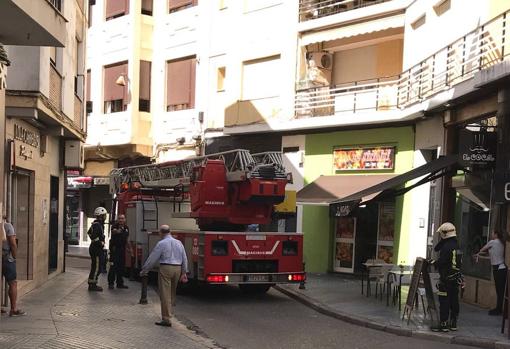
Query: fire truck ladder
column 240, row 165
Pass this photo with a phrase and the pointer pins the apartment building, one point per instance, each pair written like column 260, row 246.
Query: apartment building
column 44, row 126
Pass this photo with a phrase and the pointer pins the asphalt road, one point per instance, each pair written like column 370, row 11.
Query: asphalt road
column 272, row 320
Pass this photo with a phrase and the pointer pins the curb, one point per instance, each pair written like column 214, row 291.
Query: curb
column 399, row 331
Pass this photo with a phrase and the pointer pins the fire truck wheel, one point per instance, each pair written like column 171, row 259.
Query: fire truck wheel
column 254, row 289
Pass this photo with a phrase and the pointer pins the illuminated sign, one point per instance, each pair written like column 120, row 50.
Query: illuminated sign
column 352, row 159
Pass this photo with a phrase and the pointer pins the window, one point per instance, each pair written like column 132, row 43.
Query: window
column 180, row 91
column 442, row 6
column 115, row 89
column 144, row 102
column 220, row 84
column 178, row 5
column 89, row 105
column 53, row 55
column 89, row 14
column 418, row 22
column 79, row 61
column 57, row 4
column 116, row 8
column 260, row 78
column 147, row 7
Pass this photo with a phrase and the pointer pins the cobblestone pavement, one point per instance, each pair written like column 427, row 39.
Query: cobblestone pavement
column 63, row 314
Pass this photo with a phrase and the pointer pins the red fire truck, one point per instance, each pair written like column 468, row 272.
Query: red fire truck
column 214, row 205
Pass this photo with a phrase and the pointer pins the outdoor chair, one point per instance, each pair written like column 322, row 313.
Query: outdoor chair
column 382, row 283
column 373, row 273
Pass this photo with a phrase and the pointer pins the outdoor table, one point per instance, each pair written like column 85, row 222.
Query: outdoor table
column 368, row 266
column 397, row 273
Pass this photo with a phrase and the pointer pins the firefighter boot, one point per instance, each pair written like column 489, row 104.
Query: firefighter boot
column 442, row 327
column 93, row 287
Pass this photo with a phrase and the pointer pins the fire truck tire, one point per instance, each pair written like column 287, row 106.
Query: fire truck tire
column 254, row 289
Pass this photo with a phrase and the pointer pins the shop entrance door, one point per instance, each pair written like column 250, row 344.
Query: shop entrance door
column 22, row 220
column 345, row 237
column 53, row 228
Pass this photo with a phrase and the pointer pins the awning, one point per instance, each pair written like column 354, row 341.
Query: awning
column 374, row 25
column 326, row 189
column 470, row 194
column 432, row 170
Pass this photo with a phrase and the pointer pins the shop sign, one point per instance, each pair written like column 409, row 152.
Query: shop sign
column 26, row 136
column 477, row 148
column 101, row 180
column 352, row 159
column 340, row 210
column 502, row 188
column 79, row 182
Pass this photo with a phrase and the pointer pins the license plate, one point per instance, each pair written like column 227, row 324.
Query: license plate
column 258, row 278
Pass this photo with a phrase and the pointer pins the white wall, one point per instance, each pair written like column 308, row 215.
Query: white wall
column 439, row 31
column 294, row 163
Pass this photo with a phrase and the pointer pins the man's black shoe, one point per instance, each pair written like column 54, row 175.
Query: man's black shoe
column 452, row 325
column 122, row 286
column 495, row 312
column 95, row 288
column 442, row 327
column 111, row 286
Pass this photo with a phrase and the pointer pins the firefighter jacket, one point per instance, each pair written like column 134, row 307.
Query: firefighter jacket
column 449, row 262
column 96, row 234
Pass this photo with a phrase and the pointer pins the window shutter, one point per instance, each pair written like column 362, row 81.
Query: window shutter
column 147, row 5
column 145, row 80
column 112, row 91
column 175, row 4
column 178, row 82
column 116, row 7
column 193, row 73
column 88, row 86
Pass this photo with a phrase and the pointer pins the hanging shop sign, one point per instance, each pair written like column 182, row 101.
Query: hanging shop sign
column 477, row 148
column 79, row 182
column 501, row 187
column 353, row 159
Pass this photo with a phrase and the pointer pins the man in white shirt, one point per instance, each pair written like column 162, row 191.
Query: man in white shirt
column 173, row 266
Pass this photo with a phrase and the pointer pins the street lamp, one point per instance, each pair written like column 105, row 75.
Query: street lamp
column 123, row 81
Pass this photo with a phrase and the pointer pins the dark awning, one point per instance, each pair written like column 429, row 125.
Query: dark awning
column 326, row 189
column 394, row 186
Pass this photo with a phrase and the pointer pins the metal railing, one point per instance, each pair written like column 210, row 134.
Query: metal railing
column 487, row 45
column 377, row 94
column 313, row 9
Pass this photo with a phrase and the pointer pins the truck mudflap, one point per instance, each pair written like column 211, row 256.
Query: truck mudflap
column 256, row 278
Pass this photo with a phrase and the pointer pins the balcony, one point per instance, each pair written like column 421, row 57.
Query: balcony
column 479, row 49
column 313, row 9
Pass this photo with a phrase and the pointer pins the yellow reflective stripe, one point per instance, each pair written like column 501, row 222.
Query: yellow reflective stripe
column 440, row 293
column 454, row 259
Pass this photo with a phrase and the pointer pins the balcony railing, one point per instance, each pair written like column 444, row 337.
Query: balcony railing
column 378, row 94
column 479, row 49
column 312, row 9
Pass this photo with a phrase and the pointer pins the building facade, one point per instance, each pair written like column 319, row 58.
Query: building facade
column 44, row 127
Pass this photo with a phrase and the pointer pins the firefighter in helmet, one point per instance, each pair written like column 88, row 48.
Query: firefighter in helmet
column 97, row 239
column 448, row 265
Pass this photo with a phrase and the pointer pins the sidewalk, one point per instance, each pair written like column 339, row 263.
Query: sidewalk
column 63, row 314
column 341, row 297
column 78, row 252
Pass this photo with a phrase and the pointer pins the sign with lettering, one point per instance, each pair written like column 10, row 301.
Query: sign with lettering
column 502, row 188
column 26, row 136
column 477, row 148
column 352, row 159
column 341, row 209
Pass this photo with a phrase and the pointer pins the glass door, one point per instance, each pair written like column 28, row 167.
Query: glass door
column 345, row 235
column 386, row 231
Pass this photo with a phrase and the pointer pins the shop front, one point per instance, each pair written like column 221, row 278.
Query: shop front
column 338, row 165
column 35, row 201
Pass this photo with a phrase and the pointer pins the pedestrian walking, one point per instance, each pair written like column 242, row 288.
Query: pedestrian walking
column 448, row 265
column 118, row 246
column 173, row 266
column 97, row 238
column 496, row 250
column 9, row 253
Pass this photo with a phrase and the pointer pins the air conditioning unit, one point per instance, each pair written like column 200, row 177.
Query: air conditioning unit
column 74, row 155
column 323, row 60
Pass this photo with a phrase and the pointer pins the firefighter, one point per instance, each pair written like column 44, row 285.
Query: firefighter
column 450, row 278
column 97, row 238
column 118, row 244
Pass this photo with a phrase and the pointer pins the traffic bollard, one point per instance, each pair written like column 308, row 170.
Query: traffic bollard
column 143, row 298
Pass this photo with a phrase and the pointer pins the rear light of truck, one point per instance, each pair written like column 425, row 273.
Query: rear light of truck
column 297, row 277
column 217, row 278
column 290, row 248
column 219, row 248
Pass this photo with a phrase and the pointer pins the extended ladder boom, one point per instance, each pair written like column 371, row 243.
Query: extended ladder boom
column 239, row 164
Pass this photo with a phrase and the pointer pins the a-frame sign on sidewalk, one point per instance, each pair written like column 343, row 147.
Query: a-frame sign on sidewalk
column 421, row 272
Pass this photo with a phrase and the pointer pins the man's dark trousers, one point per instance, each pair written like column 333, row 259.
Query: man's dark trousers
column 117, row 266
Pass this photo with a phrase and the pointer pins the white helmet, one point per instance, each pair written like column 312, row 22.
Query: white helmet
column 447, row 230
column 99, row 211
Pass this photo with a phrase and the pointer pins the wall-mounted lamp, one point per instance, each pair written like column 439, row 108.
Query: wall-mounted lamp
column 121, row 81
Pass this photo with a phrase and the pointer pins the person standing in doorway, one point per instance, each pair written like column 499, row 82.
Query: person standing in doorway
column 118, row 245
column 97, row 238
column 9, row 253
column 496, row 250
column 448, row 265
column 173, row 266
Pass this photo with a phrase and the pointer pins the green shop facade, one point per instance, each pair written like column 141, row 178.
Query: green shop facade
column 338, row 164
